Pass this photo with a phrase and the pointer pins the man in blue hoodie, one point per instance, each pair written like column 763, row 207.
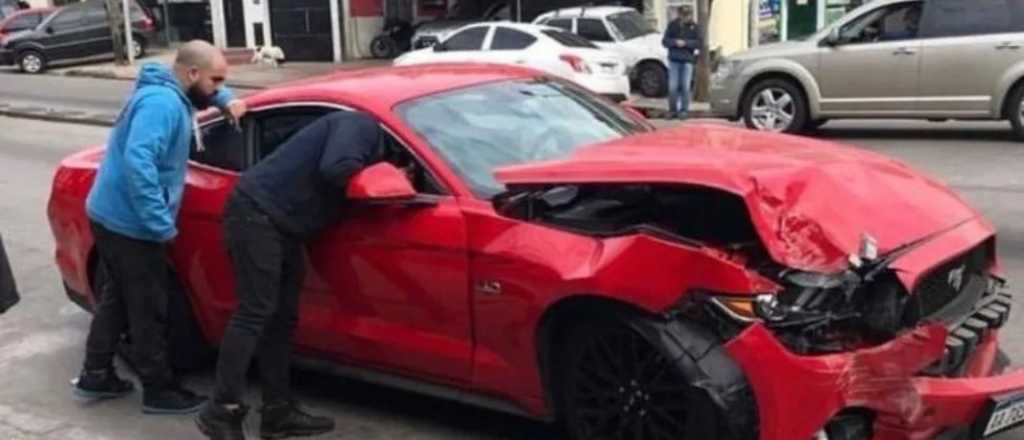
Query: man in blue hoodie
column 684, row 40
column 132, row 206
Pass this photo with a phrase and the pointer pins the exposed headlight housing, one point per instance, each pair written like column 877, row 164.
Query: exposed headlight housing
column 726, row 69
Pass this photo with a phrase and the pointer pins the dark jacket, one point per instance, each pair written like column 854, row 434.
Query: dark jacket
column 689, row 32
column 8, row 290
column 302, row 184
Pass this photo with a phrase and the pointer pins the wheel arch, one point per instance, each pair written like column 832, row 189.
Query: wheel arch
column 698, row 351
column 1014, row 79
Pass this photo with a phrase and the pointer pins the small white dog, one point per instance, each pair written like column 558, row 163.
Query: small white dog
column 270, row 55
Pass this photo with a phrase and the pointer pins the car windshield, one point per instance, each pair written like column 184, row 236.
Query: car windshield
column 631, row 25
column 480, row 129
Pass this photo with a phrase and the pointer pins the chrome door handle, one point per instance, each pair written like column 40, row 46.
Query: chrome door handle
column 1008, row 46
column 904, row 51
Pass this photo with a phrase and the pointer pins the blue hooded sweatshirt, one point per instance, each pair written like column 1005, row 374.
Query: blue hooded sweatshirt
column 139, row 185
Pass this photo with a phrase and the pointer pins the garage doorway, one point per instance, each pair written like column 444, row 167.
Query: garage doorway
column 302, row 28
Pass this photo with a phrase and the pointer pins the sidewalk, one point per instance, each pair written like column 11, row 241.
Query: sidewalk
column 250, row 77
column 242, row 76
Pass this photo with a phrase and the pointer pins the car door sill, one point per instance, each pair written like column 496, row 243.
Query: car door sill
column 412, row 385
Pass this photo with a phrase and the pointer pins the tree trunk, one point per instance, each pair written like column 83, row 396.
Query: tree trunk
column 115, row 19
column 703, row 71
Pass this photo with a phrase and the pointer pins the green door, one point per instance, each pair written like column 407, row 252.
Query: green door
column 803, row 18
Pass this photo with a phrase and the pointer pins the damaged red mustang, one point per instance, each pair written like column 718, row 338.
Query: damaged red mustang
column 532, row 248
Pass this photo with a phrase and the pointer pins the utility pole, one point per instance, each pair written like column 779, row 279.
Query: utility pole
column 115, row 19
column 703, row 86
column 754, row 24
column 128, row 37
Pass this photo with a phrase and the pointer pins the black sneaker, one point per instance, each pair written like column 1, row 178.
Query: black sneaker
column 218, row 422
column 289, row 420
column 174, row 399
column 101, row 384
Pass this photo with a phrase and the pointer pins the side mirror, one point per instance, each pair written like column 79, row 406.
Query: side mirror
column 439, row 47
column 380, row 182
column 49, row 30
column 833, row 39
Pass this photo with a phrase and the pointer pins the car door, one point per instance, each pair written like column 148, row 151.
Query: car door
column 61, row 36
column 510, row 46
column 874, row 69
column 983, row 37
column 387, row 284
column 464, row 46
column 96, row 31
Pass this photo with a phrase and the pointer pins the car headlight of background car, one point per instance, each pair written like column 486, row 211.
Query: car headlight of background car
column 726, row 69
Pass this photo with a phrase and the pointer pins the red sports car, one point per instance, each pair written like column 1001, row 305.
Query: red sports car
column 533, row 248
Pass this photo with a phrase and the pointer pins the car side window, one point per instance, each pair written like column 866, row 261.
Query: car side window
column 593, row 30
column 68, row 19
column 223, row 146
column 277, row 127
column 399, row 155
column 564, row 24
column 892, row 23
column 469, row 39
column 511, row 39
column 95, row 16
column 949, row 18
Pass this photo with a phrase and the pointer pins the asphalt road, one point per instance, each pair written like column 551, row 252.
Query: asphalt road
column 41, row 340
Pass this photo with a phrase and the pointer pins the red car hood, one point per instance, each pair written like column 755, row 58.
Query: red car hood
column 810, row 201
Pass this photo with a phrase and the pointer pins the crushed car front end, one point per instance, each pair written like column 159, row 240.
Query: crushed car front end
column 850, row 296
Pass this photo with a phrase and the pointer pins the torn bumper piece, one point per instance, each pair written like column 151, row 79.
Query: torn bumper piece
column 798, row 395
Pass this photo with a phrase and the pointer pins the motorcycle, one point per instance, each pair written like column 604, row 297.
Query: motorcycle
column 396, row 38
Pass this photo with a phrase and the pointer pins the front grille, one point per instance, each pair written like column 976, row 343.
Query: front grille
column 949, row 291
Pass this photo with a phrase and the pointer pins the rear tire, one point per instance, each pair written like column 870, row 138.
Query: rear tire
column 613, row 385
column 383, row 47
column 187, row 349
column 775, row 105
column 652, row 79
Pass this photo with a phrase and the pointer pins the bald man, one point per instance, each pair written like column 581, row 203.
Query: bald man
column 132, row 207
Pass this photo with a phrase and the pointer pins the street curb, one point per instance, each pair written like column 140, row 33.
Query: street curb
column 77, row 73
column 50, row 114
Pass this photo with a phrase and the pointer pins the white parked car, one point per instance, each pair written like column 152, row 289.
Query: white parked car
column 624, row 31
column 550, row 50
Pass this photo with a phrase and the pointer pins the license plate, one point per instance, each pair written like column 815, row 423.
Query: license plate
column 1004, row 412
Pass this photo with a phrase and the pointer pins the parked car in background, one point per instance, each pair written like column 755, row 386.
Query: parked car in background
column 429, row 33
column 623, row 31
column 9, row 7
column 75, row 32
column 544, row 48
column 23, row 20
column 936, row 60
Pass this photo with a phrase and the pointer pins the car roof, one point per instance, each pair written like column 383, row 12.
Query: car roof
column 590, row 12
column 381, row 89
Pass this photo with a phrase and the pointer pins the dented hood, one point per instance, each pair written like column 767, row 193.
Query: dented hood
column 810, row 201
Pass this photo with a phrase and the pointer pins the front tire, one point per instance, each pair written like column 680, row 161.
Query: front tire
column 616, row 385
column 1017, row 112
column 32, row 62
column 383, row 47
column 775, row 105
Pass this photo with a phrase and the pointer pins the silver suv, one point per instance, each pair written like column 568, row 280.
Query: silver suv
column 915, row 59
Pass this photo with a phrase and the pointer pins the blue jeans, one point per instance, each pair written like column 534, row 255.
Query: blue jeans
column 680, row 75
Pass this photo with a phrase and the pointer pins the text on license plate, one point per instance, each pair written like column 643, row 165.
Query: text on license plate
column 1007, row 413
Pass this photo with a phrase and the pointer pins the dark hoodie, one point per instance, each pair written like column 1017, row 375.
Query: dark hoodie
column 302, row 183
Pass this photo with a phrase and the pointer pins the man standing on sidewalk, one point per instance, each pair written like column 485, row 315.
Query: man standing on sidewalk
column 683, row 38
column 289, row 197
column 132, row 207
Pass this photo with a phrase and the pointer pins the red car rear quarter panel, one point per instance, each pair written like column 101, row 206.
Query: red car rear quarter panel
column 538, row 266
column 68, row 220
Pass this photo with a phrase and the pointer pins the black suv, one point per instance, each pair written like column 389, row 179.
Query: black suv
column 75, row 32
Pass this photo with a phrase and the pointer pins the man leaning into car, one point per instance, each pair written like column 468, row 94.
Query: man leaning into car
column 132, row 207
column 289, row 197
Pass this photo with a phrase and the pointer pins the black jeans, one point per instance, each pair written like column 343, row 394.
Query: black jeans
column 134, row 298
column 268, row 269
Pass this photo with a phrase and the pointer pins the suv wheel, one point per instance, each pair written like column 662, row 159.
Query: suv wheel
column 652, row 79
column 616, row 385
column 775, row 105
column 138, row 47
column 1016, row 112
column 31, row 62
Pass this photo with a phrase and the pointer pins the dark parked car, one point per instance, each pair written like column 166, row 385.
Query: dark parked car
column 23, row 20
column 75, row 32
